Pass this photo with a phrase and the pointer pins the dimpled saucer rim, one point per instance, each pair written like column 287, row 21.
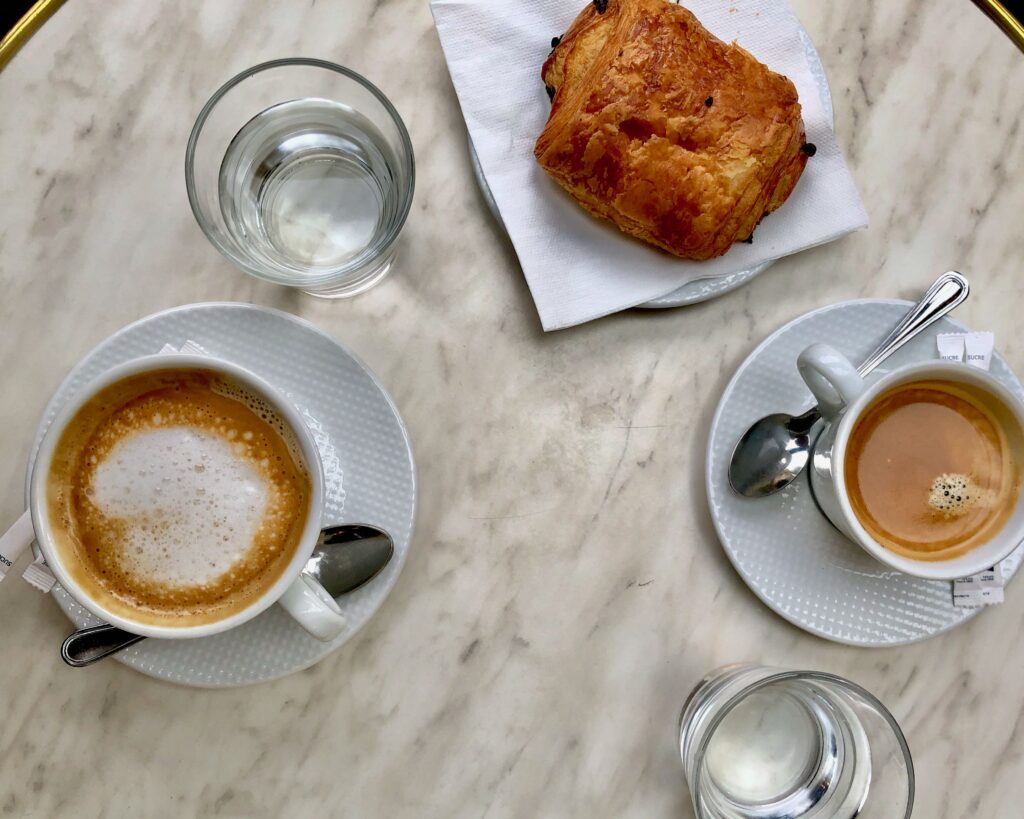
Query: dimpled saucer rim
column 368, row 469
column 783, row 548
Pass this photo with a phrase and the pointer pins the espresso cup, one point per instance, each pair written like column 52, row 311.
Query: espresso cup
column 843, row 396
column 301, row 596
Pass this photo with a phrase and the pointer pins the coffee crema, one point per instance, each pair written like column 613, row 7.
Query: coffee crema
column 177, row 497
column 932, row 468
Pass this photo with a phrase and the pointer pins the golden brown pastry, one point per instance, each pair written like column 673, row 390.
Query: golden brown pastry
column 657, row 125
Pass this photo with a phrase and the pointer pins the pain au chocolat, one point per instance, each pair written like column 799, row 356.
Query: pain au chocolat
column 680, row 139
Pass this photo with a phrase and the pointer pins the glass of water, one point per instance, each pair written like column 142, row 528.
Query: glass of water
column 771, row 744
column 301, row 172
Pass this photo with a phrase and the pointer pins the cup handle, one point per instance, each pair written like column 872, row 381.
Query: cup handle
column 314, row 609
column 829, row 374
column 15, row 541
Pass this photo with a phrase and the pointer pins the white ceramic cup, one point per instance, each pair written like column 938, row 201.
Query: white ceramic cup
column 302, row 596
column 842, row 397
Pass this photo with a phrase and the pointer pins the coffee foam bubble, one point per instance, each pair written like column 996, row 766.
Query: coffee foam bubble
column 954, row 495
column 256, row 405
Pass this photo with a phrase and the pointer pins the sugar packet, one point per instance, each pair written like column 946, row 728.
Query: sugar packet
column 985, row 589
column 975, row 349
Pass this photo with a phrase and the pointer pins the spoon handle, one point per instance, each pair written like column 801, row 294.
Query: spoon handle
column 949, row 291
column 90, row 645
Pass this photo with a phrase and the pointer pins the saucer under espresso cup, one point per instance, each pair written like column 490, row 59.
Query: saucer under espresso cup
column 369, row 474
column 302, row 597
column 785, row 550
column 843, row 398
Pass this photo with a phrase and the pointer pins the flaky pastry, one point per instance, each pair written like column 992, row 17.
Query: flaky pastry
column 678, row 138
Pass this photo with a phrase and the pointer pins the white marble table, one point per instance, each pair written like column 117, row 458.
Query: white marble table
column 565, row 588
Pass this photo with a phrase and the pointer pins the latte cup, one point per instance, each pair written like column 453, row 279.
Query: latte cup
column 843, row 396
column 300, row 595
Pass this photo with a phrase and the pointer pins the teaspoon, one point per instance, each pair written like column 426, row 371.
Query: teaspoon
column 776, row 449
column 345, row 558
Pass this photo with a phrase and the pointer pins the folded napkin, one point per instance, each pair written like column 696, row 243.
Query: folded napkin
column 578, row 267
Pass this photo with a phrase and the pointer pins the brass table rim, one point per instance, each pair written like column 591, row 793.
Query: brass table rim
column 42, row 10
column 29, row 24
column 1011, row 26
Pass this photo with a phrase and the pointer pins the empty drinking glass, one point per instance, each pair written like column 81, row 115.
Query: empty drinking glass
column 301, row 172
column 769, row 744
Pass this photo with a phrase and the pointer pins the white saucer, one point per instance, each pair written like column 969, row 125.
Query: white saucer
column 782, row 546
column 368, row 469
column 699, row 289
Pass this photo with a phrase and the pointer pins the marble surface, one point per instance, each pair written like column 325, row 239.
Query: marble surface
column 565, row 588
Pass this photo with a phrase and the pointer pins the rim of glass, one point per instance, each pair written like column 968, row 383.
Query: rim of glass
column 329, row 276
column 821, row 676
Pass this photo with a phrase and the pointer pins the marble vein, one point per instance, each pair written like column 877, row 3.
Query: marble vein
column 565, row 589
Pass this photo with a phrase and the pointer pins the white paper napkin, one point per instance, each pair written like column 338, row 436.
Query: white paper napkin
column 578, row 267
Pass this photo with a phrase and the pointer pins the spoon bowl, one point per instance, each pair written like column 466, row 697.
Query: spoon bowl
column 772, row 453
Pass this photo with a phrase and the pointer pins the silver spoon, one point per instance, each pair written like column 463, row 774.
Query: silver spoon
column 776, row 449
column 345, row 558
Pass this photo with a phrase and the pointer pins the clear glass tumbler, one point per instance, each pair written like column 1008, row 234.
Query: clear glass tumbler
column 770, row 744
column 302, row 173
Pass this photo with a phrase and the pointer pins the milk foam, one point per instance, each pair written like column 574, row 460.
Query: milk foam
column 178, row 496
column 189, row 502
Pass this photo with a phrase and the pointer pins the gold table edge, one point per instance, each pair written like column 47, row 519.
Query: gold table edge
column 42, row 10
column 1004, row 18
column 29, row 24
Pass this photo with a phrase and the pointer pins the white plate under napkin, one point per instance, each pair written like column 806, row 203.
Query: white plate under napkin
column 579, row 268
column 703, row 289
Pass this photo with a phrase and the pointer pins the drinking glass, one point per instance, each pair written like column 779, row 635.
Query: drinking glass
column 763, row 743
column 301, row 172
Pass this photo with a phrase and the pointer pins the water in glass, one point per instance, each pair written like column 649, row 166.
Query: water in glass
column 309, row 184
column 794, row 748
